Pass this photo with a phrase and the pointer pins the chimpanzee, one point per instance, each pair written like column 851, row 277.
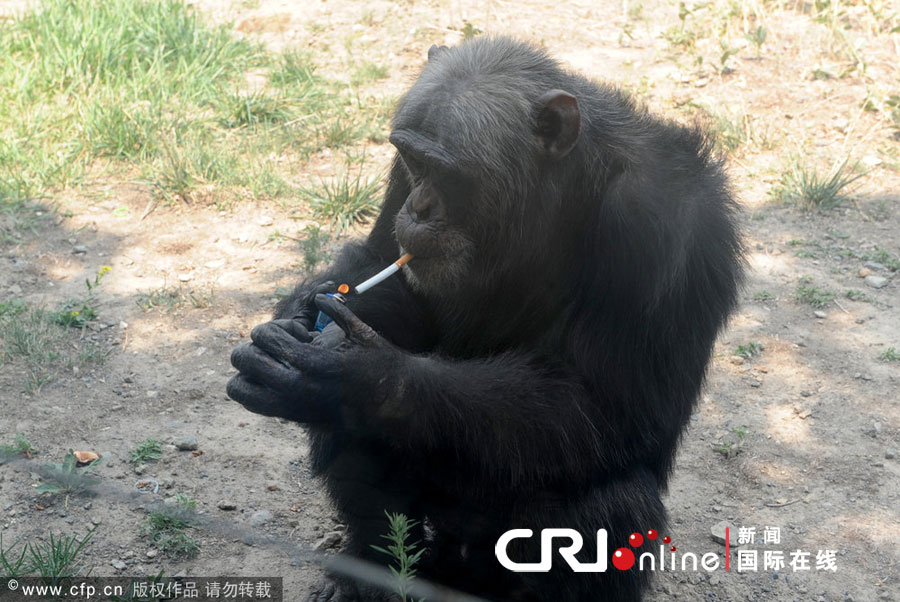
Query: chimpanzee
column 535, row 363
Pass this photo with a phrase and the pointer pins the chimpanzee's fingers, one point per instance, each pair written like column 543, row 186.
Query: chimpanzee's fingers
column 279, row 344
column 255, row 397
column 357, row 330
column 296, row 328
column 258, row 365
column 308, row 311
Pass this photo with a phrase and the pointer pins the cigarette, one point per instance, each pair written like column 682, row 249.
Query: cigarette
column 383, row 274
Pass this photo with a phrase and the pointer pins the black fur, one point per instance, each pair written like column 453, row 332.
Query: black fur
column 541, row 373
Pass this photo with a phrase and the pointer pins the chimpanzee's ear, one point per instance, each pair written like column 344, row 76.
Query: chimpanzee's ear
column 558, row 123
column 435, row 50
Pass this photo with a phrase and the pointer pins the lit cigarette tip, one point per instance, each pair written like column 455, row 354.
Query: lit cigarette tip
column 404, row 259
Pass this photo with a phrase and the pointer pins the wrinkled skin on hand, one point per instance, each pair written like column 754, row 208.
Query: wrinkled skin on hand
column 289, row 372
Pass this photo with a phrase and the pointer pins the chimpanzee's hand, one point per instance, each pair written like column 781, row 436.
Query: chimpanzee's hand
column 282, row 374
column 307, row 311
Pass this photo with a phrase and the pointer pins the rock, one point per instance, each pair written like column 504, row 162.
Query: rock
column 184, row 277
column 890, row 454
column 79, row 250
column 876, row 281
column 736, row 360
column 151, row 553
column 874, row 265
column 227, row 505
column 118, row 565
column 714, row 579
column 260, row 518
column 820, row 314
column 864, row 272
column 330, row 540
column 266, row 220
column 140, row 469
column 718, row 533
column 186, row 443
column 273, row 487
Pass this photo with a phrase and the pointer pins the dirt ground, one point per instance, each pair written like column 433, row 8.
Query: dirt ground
column 803, row 436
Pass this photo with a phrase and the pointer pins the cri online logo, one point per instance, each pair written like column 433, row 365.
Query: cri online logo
column 622, row 559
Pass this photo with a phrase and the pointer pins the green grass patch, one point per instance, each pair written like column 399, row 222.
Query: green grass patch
column 150, row 87
column 148, row 450
column 345, row 200
column 750, row 350
column 817, row 297
column 36, row 341
column 167, row 526
column 808, row 189
column 889, row 355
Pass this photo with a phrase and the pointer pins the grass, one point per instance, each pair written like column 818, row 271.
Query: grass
column 889, row 355
column 345, row 200
column 66, row 479
column 750, row 350
column 857, row 295
column 806, row 188
column 763, row 296
column 167, row 527
column 38, row 342
column 817, row 297
column 883, row 257
column 20, row 447
column 148, row 450
column 53, row 561
column 149, row 87
column 170, row 298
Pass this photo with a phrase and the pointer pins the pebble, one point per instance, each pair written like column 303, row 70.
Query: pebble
column 151, row 553
column 118, row 565
column 260, row 518
column 737, row 360
column 186, row 443
column 874, row 265
column 876, row 281
column 820, row 314
column 266, row 220
column 718, row 533
column 330, row 540
column 864, row 272
column 79, row 250
column 890, row 454
column 184, row 277
column 227, row 505
column 273, row 486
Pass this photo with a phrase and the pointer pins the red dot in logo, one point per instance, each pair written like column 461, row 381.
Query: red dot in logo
column 635, row 539
column 672, row 548
column 623, row 559
column 667, row 539
column 651, row 534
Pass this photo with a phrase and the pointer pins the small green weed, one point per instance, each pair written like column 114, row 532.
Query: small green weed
column 817, row 297
column 804, row 186
column 345, row 200
column 148, row 450
column 166, row 528
column 750, row 350
column 889, row 355
column 402, row 552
